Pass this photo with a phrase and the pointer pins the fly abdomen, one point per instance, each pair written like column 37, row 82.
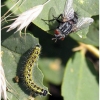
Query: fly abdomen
column 65, row 28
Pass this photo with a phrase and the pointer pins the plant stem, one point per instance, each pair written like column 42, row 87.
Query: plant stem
column 91, row 48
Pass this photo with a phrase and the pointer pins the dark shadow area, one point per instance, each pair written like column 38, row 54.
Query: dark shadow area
column 2, row 1
column 51, row 49
column 55, row 91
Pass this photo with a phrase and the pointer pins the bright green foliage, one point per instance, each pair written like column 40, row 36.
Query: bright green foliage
column 79, row 82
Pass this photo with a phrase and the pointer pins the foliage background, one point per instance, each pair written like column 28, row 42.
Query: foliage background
column 68, row 75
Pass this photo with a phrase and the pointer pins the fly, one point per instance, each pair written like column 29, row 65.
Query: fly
column 69, row 22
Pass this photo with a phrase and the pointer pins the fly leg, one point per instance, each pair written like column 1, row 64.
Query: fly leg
column 57, row 18
column 54, row 18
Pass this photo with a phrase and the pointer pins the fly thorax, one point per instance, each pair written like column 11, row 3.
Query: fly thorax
column 75, row 19
column 65, row 27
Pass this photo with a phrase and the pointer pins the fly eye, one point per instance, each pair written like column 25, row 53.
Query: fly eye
column 57, row 32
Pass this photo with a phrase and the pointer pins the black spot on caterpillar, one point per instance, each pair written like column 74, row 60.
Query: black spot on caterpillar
column 26, row 75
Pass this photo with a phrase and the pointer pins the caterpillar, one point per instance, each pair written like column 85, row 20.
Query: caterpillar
column 26, row 75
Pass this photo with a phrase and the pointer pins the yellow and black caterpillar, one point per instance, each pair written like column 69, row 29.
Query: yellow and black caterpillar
column 27, row 72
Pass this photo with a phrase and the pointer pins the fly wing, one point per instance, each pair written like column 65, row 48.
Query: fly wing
column 83, row 23
column 68, row 12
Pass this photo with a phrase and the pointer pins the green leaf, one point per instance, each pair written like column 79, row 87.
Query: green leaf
column 83, row 7
column 19, row 44
column 79, row 82
column 14, row 50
